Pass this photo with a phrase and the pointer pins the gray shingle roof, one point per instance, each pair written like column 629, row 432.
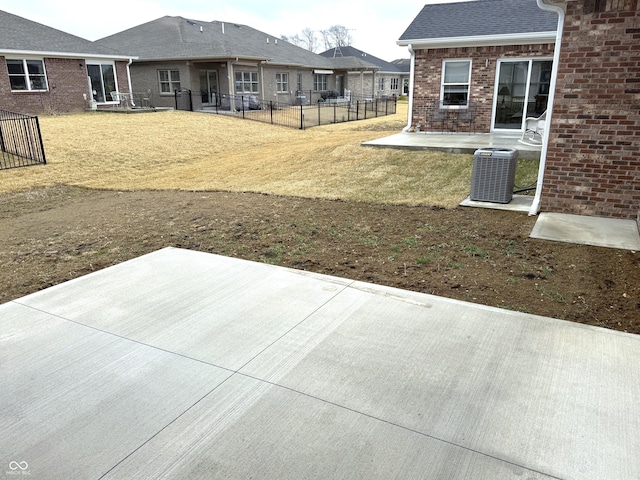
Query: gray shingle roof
column 480, row 17
column 356, row 54
column 18, row 33
column 178, row 38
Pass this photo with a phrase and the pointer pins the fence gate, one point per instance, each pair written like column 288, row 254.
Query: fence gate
column 183, row 100
column 20, row 140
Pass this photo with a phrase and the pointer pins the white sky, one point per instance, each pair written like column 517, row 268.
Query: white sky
column 375, row 24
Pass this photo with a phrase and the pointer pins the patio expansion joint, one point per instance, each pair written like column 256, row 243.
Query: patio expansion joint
column 402, row 427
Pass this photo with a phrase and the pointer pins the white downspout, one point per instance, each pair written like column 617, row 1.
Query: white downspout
column 559, row 9
column 411, row 76
column 129, row 80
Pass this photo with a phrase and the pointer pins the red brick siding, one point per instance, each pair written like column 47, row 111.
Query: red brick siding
column 68, row 85
column 593, row 161
column 122, row 77
column 428, row 75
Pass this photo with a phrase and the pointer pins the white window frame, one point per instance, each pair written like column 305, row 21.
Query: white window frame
column 27, row 76
column 395, row 81
column 282, row 82
column 246, row 82
column 381, row 84
column 443, row 86
column 171, row 81
column 320, row 80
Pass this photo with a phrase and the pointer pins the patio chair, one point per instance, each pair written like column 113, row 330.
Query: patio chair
column 438, row 115
column 534, row 129
column 467, row 115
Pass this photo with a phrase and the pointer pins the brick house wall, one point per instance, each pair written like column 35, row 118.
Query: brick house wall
column 68, row 88
column 593, row 160
column 428, row 76
column 67, row 80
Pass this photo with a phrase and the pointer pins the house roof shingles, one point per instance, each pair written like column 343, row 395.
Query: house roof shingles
column 349, row 52
column 22, row 35
column 178, row 38
column 479, row 18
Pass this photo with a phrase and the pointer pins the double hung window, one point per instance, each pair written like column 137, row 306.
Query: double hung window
column 169, row 81
column 456, row 79
column 320, row 82
column 282, row 82
column 26, row 75
column 246, row 82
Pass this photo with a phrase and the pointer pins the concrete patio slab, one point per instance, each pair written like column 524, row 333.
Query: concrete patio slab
column 182, row 364
column 455, row 142
column 253, row 429
column 519, row 203
column 74, row 400
column 587, row 230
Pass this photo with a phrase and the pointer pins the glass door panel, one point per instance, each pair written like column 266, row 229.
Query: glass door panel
column 523, row 91
column 208, row 86
column 512, row 92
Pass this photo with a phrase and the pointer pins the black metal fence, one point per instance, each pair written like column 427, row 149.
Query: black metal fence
column 20, row 140
column 331, row 110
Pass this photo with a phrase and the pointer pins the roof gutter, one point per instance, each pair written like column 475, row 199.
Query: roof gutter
column 411, row 76
column 482, row 40
column 559, row 9
column 87, row 56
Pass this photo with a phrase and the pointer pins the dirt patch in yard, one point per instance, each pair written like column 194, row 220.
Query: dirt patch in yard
column 52, row 234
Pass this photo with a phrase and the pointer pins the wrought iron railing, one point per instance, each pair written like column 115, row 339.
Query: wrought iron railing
column 20, row 140
column 303, row 115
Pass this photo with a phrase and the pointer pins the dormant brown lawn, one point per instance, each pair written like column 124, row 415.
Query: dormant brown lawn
column 194, row 151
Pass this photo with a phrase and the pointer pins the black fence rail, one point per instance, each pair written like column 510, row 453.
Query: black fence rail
column 20, row 141
column 304, row 115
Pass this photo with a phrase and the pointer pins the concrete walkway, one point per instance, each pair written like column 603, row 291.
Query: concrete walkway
column 187, row 365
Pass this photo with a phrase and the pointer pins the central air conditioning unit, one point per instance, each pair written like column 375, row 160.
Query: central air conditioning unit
column 493, row 176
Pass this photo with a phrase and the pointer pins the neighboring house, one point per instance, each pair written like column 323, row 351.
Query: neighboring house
column 511, row 59
column 387, row 80
column 214, row 59
column 45, row 70
column 494, row 54
column 404, row 66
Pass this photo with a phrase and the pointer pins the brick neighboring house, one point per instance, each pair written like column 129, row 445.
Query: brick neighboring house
column 214, row 59
column 46, row 70
column 577, row 59
column 389, row 79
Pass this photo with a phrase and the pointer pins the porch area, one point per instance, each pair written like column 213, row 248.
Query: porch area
column 456, row 142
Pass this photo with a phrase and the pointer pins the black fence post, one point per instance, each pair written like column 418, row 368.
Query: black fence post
column 44, row 158
column 319, row 114
column 301, row 117
column 271, row 110
column 2, row 146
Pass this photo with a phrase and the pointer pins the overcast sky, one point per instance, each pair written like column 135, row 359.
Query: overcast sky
column 375, row 24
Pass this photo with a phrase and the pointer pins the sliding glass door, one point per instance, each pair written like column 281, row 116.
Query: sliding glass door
column 522, row 90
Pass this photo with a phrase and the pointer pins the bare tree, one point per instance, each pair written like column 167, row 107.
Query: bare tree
column 335, row 36
column 340, row 36
column 309, row 39
column 295, row 39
